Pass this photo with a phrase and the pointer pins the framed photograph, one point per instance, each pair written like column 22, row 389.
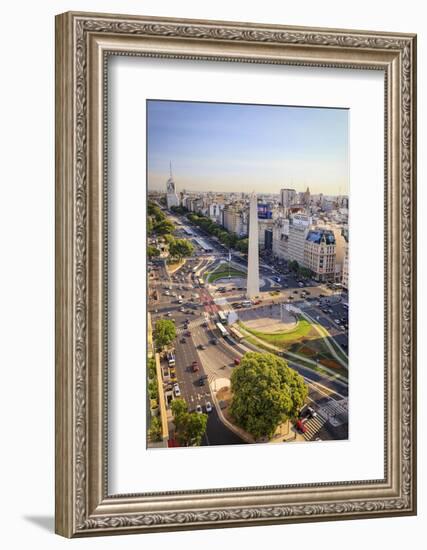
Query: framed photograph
column 235, row 274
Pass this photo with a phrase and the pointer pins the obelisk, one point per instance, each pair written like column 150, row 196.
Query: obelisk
column 252, row 289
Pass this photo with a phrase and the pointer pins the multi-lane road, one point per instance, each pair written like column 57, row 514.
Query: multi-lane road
column 216, row 360
column 194, row 385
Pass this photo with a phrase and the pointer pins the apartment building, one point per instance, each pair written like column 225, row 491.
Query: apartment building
column 320, row 253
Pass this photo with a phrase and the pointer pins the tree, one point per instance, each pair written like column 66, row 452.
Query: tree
column 163, row 227
column 242, row 245
column 193, row 428
column 179, row 408
column 155, row 431
column 154, row 211
column 304, row 272
column 169, row 238
column 266, row 392
column 180, row 248
column 294, row 266
column 152, row 252
column 164, row 332
column 149, row 225
column 190, row 427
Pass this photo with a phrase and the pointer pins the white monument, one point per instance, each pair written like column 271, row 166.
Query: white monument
column 252, row 289
column 171, row 196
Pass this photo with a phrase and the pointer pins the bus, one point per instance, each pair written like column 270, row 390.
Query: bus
column 236, row 334
column 221, row 329
column 222, row 317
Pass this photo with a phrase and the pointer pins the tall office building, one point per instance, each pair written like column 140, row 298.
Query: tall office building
column 287, row 197
column 252, row 289
column 298, row 229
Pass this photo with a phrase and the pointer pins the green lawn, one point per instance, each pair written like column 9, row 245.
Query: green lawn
column 283, row 339
column 223, row 274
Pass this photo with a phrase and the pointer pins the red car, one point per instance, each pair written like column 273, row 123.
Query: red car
column 194, row 366
column 301, row 426
column 237, row 361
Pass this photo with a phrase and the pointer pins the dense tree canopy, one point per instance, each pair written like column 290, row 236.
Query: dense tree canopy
column 266, row 392
column 154, row 211
column 157, row 221
column 190, row 427
column 152, row 251
column 163, row 227
column 231, row 240
column 179, row 248
column 164, row 332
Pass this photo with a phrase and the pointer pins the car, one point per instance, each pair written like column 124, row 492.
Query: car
column 295, row 291
column 337, row 321
column 208, row 407
column 183, row 340
column 205, row 324
column 318, row 318
column 187, row 333
column 214, row 341
column 237, row 361
column 201, row 346
column 311, row 413
column 198, row 409
column 195, row 366
column 301, row 427
column 169, row 314
column 176, row 390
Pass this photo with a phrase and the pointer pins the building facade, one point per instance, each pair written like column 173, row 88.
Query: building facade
column 320, row 254
column 287, row 197
column 281, row 238
column 235, row 220
column 298, row 229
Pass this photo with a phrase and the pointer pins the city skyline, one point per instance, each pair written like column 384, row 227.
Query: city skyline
column 241, row 148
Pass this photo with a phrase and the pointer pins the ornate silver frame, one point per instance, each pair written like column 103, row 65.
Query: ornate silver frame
column 83, row 41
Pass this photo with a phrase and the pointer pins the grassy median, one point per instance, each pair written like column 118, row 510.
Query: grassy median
column 223, row 274
column 303, row 330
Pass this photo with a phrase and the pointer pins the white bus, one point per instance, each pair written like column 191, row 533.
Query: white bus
column 221, row 329
column 222, row 317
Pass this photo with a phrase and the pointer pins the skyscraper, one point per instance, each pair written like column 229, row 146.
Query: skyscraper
column 287, row 197
column 253, row 259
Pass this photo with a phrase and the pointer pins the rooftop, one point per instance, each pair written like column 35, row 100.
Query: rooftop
column 318, row 236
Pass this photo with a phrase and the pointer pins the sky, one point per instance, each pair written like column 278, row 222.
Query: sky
column 238, row 147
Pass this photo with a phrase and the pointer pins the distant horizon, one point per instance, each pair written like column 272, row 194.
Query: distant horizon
column 258, row 194
column 261, row 148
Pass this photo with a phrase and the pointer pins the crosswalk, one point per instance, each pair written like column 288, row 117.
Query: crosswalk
column 313, row 427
